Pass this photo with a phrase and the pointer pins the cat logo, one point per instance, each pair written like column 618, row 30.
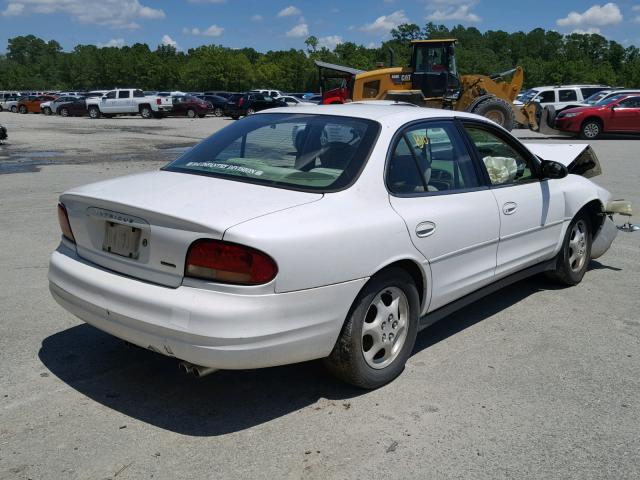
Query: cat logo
column 400, row 78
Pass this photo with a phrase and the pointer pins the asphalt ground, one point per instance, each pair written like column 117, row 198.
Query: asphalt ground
column 532, row 382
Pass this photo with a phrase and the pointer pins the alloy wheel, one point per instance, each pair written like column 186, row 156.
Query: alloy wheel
column 578, row 246
column 385, row 326
column 591, row 130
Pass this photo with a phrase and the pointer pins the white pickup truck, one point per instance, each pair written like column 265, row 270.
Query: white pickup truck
column 127, row 101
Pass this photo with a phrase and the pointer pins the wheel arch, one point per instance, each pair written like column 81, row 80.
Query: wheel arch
column 594, row 210
column 592, row 117
column 416, row 272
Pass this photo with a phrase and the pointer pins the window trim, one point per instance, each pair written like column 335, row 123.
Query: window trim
column 400, row 134
column 503, row 135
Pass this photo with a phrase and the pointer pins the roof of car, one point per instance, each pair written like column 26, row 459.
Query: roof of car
column 384, row 111
column 568, row 86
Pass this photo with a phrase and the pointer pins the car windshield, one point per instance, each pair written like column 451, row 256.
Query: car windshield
column 297, row 151
column 527, row 96
column 611, row 99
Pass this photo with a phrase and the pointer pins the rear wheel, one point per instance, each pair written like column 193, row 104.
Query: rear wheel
column 591, row 129
column 250, row 111
column 23, row 109
column 14, row 109
column 573, row 258
column 94, row 112
column 498, row 110
column 146, row 112
column 379, row 332
column 191, row 113
column 218, row 112
column 64, row 112
column 47, row 111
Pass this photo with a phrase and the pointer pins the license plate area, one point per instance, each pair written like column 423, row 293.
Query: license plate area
column 123, row 240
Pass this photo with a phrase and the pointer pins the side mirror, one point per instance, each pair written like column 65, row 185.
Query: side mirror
column 551, row 169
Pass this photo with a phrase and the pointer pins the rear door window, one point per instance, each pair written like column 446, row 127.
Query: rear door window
column 124, row 94
column 547, row 97
column 567, row 96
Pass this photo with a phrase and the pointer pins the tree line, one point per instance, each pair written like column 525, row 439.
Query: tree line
column 548, row 57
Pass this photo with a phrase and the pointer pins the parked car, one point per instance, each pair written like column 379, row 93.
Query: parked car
column 51, row 107
column 3, row 134
column 559, row 96
column 604, row 94
column 7, row 94
column 250, row 103
column 96, row 93
column 74, row 107
column 219, row 94
column 269, row 93
column 317, row 99
column 292, row 101
column 616, row 114
column 189, row 106
column 218, row 103
column 128, row 101
column 31, row 103
column 9, row 103
column 253, row 250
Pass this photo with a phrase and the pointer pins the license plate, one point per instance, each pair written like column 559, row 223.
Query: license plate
column 121, row 240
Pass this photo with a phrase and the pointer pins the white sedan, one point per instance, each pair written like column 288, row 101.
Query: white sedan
column 261, row 247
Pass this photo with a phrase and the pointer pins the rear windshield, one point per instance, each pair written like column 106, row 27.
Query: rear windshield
column 297, row 151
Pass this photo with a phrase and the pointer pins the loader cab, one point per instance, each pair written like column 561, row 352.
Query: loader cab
column 434, row 68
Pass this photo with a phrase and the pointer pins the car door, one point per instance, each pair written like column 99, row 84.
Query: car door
column 125, row 102
column 531, row 210
column 450, row 214
column 108, row 102
column 567, row 96
column 625, row 116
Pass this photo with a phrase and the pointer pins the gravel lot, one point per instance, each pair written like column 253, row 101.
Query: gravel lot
column 534, row 381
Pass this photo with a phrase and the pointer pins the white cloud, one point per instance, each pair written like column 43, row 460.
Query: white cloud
column 461, row 13
column 13, row 9
column 167, row 40
column 300, row 30
column 114, row 42
column 608, row 14
column 289, row 11
column 110, row 13
column 588, row 31
column 385, row 23
column 330, row 41
column 257, row 18
column 212, row 31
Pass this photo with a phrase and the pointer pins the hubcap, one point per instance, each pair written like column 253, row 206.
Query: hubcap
column 591, row 130
column 217, row 112
column 384, row 330
column 578, row 246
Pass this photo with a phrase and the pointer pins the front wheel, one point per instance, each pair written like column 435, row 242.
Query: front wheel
column 218, row 112
column 379, row 332
column 590, row 130
column 575, row 254
column 191, row 113
column 47, row 111
column 64, row 112
column 14, row 109
column 23, row 109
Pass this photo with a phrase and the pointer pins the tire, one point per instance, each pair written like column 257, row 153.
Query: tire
column 47, row 111
column 591, row 129
column 365, row 359
column 14, row 109
column 574, row 256
column 235, row 117
column 23, row 109
column 94, row 112
column 218, row 112
column 64, row 112
column 1, row 108
column 146, row 112
column 202, row 115
column 191, row 113
column 250, row 111
column 498, row 110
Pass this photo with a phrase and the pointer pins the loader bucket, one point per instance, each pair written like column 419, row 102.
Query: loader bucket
column 541, row 119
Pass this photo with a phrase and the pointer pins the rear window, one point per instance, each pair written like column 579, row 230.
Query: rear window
column 297, row 151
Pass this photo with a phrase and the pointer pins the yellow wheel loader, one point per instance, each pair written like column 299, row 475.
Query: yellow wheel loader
column 432, row 80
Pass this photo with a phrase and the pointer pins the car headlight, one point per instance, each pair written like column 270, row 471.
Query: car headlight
column 571, row 115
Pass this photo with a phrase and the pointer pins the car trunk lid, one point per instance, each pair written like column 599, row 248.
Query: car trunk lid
column 142, row 225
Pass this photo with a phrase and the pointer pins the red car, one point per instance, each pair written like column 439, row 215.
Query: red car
column 190, row 106
column 617, row 114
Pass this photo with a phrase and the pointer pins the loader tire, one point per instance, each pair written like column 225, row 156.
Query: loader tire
column 498, row 110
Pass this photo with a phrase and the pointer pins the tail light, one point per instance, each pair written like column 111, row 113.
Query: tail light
column 158, row 101
column 65, row 226
column 229, row 263
column 241, row 101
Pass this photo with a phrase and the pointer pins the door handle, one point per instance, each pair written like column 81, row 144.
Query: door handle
column 425, row 229
column 509, row 208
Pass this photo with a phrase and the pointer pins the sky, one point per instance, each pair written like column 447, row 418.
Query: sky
column 275, row 25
